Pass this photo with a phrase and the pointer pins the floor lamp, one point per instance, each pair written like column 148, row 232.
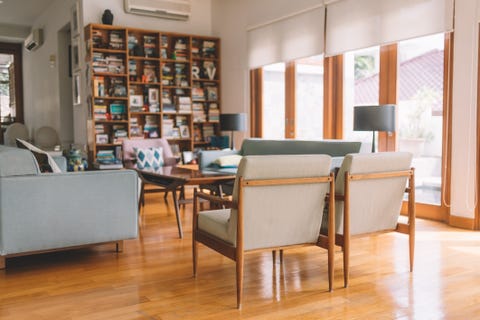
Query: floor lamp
column 233, row 122
column 374, row 118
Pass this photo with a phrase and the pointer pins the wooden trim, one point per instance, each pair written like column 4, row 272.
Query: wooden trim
column 477, row 209
column 290, row 91
column 447, row 127
column 2, row 262
column 461, row 222
column 333, row 97
column 15, row 49
column 380, row 175
column 388, row 91
column 286, row 181
column 256, row 102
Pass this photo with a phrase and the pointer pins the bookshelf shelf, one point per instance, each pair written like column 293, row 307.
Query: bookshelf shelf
column 147, row 84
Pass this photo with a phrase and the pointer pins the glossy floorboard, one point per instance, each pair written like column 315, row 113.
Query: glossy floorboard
column 152, row 279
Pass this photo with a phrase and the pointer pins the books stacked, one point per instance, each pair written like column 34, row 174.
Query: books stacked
column 213, row 113
column 149, row 46
column 135, row 129
column 181, row 49
column 151, row 126
column 97, row 39
column 195, row 50
column 99, row 128
column 119, row 133
column 132, row 70
column 168, row 106
column 164, row 47
column 115, row 64
column 132, row 42
column 116, row 40
column 181, row 78
column 106, row 160
column 167, row 75
column 99, row 111
column 99, row 64
column 208, row 49
column 167, row 127
column 184, row 105
column 198, row 94
column 208, row 131
column 198, row 112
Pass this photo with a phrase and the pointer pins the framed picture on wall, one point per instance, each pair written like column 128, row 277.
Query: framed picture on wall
column 75, row 55
column 75, row 19
column 76, row 89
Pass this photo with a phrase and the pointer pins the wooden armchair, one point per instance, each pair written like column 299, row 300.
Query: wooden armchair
column 370, row 189
column 277, row 204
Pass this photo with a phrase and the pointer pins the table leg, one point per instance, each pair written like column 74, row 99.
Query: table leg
column 177, row 213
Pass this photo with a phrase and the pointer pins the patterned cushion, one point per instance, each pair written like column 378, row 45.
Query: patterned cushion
column 44, row 160
column 149, row 157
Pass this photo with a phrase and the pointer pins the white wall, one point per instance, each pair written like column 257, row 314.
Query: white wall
column 199, row 22
column 41, row 81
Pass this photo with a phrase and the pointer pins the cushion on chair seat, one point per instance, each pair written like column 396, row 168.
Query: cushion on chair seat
column 215, row 222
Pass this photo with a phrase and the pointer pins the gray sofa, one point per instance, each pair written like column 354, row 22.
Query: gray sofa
column 48, row 211
column 337, row 149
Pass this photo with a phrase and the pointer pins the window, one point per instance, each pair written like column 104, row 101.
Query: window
column 360, row 87
column 420, row 111
column 274, row 101
column 7, row 88
column 309, row 98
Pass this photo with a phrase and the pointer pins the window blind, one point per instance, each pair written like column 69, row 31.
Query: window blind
column 289, row 38
column 356, row 24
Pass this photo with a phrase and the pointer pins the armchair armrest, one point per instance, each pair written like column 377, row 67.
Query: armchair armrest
column 213, row 199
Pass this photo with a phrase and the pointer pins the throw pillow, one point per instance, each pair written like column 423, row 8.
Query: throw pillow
column 149, row 157
column 44, row 160
column 230, row 161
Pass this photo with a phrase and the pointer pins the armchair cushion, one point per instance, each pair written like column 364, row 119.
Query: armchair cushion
column 216, row 222
column 228, row 161
column 149, row 157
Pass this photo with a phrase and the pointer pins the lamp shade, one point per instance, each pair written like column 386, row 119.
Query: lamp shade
column 233, row 121
column 374, row 118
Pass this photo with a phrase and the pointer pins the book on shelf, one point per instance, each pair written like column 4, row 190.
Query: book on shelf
column 212, row 93
column 208, row 131
column 184, row 105
column 181, row 120
column 213, row 113
column 198, row 112
column 167, row 127
column 99, row 86
column 198, row 94
column 116, row 40
column 108, row 166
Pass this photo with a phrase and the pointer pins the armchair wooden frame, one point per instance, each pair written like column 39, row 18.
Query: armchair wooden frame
column 406, row 228
column 236, row 253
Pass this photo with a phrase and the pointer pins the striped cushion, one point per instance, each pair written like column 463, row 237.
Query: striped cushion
column 149, row 157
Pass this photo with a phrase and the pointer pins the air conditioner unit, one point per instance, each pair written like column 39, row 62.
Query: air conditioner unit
column 167, row 9
column 34, row 40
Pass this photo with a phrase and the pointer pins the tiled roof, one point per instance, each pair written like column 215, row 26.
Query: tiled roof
column 422, row 71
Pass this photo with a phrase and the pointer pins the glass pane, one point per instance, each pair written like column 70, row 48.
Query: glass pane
column 274, row 101
column 420, row 111
column 360, row 87
column 309, row 98
column 7, row 97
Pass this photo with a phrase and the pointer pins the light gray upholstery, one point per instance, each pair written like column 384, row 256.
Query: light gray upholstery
column 51, row 211
column 276, row 215
column 374, row 204
column 46, row 138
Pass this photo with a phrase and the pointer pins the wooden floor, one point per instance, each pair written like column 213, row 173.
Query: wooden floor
column 152, row 279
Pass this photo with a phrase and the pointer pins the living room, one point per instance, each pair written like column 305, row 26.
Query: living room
column 47, row 97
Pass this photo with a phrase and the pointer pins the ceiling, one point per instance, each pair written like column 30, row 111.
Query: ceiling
column 21, row 12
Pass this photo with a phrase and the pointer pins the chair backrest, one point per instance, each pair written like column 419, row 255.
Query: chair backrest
column 14, row 131
column 129, row 145
column 374, row 204
column 280, row 215
column 46, row 138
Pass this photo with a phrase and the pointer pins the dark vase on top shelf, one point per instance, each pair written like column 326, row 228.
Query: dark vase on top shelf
column 107, row 17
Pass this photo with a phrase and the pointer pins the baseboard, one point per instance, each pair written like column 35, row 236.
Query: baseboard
column 462, row 222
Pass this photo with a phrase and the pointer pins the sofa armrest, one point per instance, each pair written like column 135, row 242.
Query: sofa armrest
column 49, row 211
column 207, row 157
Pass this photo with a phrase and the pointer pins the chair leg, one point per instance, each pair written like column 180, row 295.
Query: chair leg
column 411, row 240
column 239, row 280
column 274, row 256
column 119, row 246
column 2, row 262
column 281, row 256
column 346, row 262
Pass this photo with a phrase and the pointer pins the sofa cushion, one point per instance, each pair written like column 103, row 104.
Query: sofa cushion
column 149, row 157
column 17, row 162
column 44, row 160
column 228, row 161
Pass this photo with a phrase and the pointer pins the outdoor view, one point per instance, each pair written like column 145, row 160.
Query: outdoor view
column 6, row 69
column 274, row 101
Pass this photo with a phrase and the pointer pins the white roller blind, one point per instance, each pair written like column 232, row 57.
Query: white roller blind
column 299, row 35
column 356, row 24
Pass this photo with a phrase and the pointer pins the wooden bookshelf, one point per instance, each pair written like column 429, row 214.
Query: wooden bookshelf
column 145, row 83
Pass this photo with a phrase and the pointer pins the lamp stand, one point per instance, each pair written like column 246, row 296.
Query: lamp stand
column 232, row 144
column 373, row 141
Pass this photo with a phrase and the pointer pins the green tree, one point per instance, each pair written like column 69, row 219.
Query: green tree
column 364, row 66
